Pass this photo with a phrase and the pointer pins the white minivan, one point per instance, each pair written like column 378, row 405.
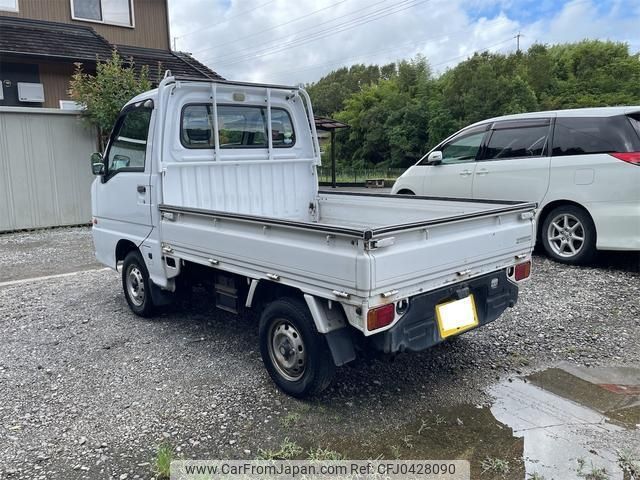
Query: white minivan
column 582, row 167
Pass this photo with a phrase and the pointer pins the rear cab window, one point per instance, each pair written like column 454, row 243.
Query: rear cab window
column 239, row 126
column 590, row 135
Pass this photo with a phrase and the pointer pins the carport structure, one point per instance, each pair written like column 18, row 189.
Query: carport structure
column 331, row 125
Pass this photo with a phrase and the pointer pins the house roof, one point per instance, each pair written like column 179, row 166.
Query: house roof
column 160, row 61
column 70, row 42
column 51, row 39
column 328, row 124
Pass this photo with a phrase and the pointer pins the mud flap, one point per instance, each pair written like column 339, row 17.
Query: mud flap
column 341, row 346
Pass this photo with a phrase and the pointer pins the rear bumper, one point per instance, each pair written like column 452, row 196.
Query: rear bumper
column 417, row 329
column 617, row 224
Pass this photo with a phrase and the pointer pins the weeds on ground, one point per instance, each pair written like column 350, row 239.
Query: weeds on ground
column 495, row 465
column 408, row 441
column 164, row 456
column 536, row 476
column 424, row 425
column 287, row 451
column 629, row 463
column 593, row 474
column 440, row 420
column 320, row 454
column 395, row 452
column 290, row 419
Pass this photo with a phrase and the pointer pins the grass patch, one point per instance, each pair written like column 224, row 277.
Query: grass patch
column 287, row 451
column 594, row 473
column 495, row 465
column 320, row 454
column 290, row 419
column 164, row 456
column 629, row 463
column 536, row 476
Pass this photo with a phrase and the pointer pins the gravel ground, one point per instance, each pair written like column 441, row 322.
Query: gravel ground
column 45, row 252
column 88, row 390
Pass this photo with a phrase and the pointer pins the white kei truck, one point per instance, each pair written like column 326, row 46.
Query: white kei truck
column 215, row 182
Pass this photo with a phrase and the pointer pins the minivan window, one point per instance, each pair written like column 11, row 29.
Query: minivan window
column 128, row 147
column 239, row 126
column 517, row 143
column 462, row 148
column 634, row 118
column 579, row 136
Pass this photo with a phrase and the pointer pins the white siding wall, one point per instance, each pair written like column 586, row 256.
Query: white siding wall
column 45, row 176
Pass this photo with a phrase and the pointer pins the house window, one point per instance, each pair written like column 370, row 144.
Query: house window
column 9, row 5
column 113, row 12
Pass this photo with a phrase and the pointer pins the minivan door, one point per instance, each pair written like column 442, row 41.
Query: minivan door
column 123, row 196
column 453, row 175
column 515, row 162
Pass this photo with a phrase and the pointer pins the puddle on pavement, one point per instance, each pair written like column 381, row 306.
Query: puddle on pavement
column 541, row 425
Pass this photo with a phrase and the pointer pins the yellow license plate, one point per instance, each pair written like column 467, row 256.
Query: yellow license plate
column 456, row 316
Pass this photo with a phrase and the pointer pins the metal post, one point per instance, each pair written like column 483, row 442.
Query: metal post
column 216, row 136
column 333, row 158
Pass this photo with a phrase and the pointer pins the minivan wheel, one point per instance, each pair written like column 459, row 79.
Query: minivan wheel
column 136, row 285
column 294, row 353
column 569, row 235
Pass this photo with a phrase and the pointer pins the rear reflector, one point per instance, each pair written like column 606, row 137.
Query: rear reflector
column 522, row 271
column 631, row 157
column 380, row 317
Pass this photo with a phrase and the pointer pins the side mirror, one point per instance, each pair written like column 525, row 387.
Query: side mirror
column 97, row 164
column 435, row 158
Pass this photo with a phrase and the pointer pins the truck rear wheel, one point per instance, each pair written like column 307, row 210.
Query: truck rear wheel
column 136, row 284
column 294, row 353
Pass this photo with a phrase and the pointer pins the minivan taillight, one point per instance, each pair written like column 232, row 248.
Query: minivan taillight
column 630, row 157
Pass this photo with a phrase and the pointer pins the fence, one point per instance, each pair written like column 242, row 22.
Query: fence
column 45, row 178
column 358, row 175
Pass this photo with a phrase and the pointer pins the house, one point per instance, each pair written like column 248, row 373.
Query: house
column 40, row 41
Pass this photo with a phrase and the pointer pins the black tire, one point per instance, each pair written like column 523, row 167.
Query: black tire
column 405, row 192
column 135, row 271
column 561, row 244
column 290, row 319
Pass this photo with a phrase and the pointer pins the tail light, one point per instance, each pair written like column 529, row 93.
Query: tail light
column 522, row 271
column 380, row 317
column 630, row 157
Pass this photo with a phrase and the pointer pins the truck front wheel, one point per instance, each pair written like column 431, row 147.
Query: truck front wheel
column 136, row 284
column 294, row 353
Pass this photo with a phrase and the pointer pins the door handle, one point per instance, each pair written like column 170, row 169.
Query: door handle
column 465, row 173
column 142, row 189
column 484, row 171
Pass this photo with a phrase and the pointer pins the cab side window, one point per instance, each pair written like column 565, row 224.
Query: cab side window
column 517, row 142
column 128, row 147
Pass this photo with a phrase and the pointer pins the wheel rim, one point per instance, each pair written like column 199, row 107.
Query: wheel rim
column 135, row 285
column 566, row 235
column 287, row 350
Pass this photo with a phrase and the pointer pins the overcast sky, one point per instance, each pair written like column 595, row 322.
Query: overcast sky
column 293, row 41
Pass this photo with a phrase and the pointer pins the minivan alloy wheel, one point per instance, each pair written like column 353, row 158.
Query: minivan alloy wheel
column 566, row 235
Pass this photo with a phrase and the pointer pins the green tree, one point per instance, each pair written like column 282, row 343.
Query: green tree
column 399, row 111
column 104, row 94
